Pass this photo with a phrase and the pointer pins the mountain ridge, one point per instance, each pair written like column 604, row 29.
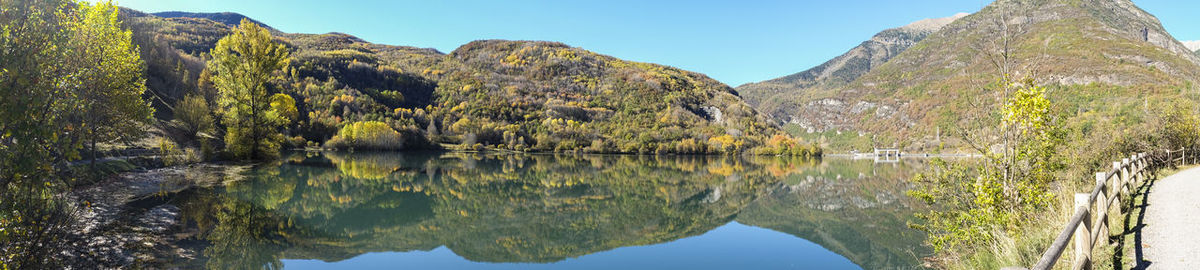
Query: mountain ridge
column 1076, row 47
column 227, row 18
column 772, row 96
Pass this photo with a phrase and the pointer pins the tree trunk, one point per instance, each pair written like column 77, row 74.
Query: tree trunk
column 92, row 167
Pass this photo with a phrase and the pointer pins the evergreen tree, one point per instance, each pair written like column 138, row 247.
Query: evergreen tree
column 242, row 65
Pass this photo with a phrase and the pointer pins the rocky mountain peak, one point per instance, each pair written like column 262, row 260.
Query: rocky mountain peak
column 842, row 69
column 933, row 24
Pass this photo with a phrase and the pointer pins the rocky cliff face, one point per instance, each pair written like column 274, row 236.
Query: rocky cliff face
column 777, row 96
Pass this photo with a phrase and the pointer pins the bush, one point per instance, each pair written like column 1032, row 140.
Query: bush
column 782, row 145
column 194, row 115
column 173, row 154
column 368, row 135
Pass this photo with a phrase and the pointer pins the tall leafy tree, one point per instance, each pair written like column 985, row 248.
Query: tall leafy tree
column 108, row 78
column 242, row 65
column 31, row 76
column 67, row 73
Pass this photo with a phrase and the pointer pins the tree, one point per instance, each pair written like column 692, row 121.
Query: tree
column 242, row 65
column 285, row 106
column 1000, row 195
column 193, row 113
column 47, row 83
column 368, row 135
column 31, row 78
column 109, row 83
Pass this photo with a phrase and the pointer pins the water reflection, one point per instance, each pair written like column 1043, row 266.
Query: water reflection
column 544, row 208
column 857, row 209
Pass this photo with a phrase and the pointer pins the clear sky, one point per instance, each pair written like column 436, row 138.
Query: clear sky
column 732, row 41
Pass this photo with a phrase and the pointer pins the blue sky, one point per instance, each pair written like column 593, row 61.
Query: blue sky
column 732, row 41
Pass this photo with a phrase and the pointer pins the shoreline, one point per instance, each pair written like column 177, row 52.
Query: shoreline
column 903, row 155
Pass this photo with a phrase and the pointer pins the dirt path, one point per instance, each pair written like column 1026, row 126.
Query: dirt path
column 1172, row 232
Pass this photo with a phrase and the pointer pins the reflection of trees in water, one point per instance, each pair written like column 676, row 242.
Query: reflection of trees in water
column 853, row 208
column 497, row 208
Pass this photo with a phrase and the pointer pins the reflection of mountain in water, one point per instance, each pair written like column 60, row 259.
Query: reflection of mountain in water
column 529, row 208
column 849, row 207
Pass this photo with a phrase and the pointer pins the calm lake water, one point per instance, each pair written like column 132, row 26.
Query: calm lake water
column 478, row 211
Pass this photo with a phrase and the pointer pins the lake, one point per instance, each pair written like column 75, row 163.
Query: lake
column 511, row 211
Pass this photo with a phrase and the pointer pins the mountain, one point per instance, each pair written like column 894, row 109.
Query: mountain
column 227, row 18
column 519, row 95
column 1192, row 44
column 778, row 96
column 1099, row 57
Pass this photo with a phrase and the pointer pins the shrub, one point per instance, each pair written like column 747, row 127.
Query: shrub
column 783, row 145
column 194, row 115
column 369, row 135
column 173, row 154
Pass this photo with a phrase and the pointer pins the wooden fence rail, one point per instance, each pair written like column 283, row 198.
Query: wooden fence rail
column 1089, row 226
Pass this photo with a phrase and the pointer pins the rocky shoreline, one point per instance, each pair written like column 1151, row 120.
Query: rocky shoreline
column 128, row 220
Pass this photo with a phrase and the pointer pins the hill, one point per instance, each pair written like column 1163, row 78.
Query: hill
column 227, row 18
column 1103, row 60
column 779, row 96
column 518, row 95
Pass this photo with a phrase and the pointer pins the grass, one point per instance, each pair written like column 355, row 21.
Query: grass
column 1124, row 238
column 1025, row 249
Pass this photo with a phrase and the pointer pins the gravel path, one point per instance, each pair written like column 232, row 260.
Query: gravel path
column 1172, row 232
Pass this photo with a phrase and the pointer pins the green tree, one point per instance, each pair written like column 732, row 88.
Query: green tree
column 1007, row 189
column 242, row 65
column 32, row 73
column 285, row 106
column 194, row 115
column 109, row 82
column 32, row 130
column 49, row 81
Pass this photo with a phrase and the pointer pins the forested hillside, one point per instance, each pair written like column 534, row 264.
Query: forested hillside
column 516, row 95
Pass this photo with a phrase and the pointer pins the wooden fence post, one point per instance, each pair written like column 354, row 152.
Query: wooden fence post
column 1119, row 179
column 1141, row 175
column 1134, row 170
column 1083, row 238
column 1127, row 174
column 1102, row 205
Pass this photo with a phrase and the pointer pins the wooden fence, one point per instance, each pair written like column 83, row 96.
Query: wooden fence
column 1089, row 227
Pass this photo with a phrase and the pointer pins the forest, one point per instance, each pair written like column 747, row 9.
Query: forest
column 524, row 96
